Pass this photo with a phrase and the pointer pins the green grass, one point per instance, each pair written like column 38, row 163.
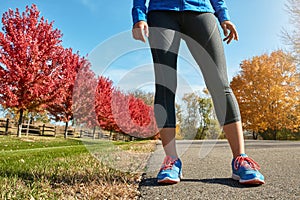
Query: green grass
column 55, row 168
column 136, row 146
column 13, row 143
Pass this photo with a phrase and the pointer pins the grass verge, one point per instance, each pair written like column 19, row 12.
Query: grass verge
column 55, row 168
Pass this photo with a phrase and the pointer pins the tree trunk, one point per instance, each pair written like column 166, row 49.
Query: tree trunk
column 202, row 133
column 255, row 135
column 66, row 131
column 19, row 131
column 275, row 134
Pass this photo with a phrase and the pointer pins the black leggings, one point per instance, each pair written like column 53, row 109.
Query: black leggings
column 202, row 36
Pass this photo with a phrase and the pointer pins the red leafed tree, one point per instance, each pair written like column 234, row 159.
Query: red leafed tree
column 84, row 97
column 142, row 117
column 123, row 113
column 120, row 111
column 61, row 108
column 103, row 104
column 29, row 51
column 133, row 116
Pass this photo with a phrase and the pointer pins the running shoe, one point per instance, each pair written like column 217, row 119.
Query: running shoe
column 170, row 171
column 245, row 170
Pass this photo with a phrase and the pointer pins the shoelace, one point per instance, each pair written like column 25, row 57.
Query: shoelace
column 246, row 162
column 168, row 163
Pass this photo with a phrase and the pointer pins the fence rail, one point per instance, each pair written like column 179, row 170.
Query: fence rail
column 8, row 126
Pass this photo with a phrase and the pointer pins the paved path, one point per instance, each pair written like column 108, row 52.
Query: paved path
column 207, row 172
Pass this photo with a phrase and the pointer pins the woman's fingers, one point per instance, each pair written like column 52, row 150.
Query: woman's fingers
column 140, row 31
column 224, row 27
column 229, row 26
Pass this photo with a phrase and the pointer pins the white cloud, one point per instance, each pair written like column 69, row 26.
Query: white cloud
column 90, row 4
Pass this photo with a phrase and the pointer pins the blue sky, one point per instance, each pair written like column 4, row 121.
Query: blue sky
column 88, row 25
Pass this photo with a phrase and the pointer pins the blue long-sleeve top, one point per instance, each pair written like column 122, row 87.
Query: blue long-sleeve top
column 218, row 7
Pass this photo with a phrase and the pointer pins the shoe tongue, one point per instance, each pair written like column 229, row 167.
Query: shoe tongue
column 246, row 165
column 241, row 155
column 168, row 160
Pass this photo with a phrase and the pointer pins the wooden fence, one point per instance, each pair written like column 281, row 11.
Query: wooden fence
column 8, row 126
column 5, row 125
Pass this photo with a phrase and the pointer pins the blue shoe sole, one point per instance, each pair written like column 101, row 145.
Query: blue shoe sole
column 255, row 181
column 168, row 180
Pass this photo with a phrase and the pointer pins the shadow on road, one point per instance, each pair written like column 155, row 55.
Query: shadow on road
column 222, row 181
column 152, row 182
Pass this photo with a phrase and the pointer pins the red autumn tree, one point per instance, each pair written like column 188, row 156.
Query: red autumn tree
column 133, row 116
column 29, row 51
column 142, row 116
column 84, row 97
column 103, row 105
column 123, row 113
column 61, row 108
column 120, row 111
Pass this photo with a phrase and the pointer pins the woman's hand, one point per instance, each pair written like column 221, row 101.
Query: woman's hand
column 232, row 34
column 140, row 30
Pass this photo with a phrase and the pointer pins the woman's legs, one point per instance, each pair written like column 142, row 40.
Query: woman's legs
column 164, row 41
column 209, row 54
column 234, row 135
column 204, row 41
column 167, row 136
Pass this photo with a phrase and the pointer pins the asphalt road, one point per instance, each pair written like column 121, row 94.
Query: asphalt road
column 207, row 172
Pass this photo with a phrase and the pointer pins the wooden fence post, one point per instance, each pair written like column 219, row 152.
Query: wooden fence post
column 27, row 129
column 43, row 130
column 94, row 130
column 99, row 134
column 6, row 126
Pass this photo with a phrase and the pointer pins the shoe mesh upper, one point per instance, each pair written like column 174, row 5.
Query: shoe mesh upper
column 246, row 162
column 168, row 163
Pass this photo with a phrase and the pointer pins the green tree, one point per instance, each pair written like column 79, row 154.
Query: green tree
column 179, row 119
column 190, row 122
column 205, row 111
column 196, row 117
column 147, row 97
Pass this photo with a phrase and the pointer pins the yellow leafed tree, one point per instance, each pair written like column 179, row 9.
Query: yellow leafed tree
column 267, row 90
